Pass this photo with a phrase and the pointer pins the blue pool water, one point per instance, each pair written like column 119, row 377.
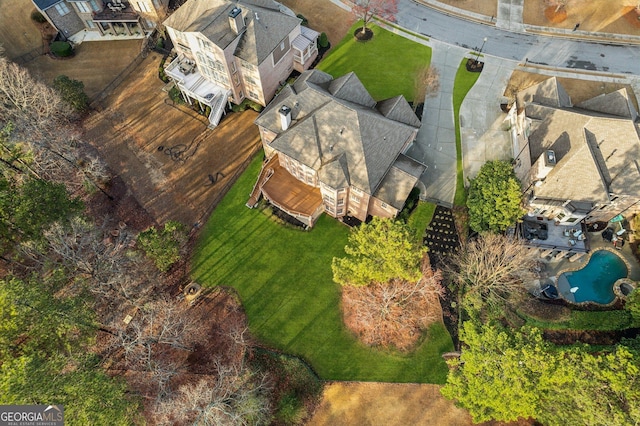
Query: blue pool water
column 594, row 282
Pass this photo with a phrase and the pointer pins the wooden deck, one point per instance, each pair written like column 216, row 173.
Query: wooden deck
column 289, row 193
column 262, row 178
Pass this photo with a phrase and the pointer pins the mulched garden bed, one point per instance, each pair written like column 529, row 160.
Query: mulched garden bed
column 441, row 236
column 287, row 218
column 363, row 35
column 351, row 221
column 473, row 65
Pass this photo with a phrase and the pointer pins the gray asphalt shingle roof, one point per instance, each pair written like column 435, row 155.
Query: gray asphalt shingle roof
column 266, row 25
column 596, row 153
column 349, row 138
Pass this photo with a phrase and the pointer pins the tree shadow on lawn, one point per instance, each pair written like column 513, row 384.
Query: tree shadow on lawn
column 284, row 280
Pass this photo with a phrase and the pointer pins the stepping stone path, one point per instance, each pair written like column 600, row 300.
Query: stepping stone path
column 441, row 236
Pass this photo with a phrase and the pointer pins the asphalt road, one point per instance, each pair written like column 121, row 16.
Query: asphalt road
column 537, row 49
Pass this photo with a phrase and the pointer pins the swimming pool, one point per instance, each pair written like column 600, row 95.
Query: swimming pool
column 594, row 282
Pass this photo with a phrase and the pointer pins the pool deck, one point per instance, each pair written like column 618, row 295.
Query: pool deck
column 555, row 261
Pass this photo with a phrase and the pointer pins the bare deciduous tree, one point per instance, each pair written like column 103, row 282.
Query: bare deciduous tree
column 490, row 268
column 235, row 396
column 393, row 313
column 426, row 83
column 22, row 98
column 367, row 9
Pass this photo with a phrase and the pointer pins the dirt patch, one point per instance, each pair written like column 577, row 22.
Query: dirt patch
column 593, row 16
column 323, row 16
column 555, row 15
column 390, row 404
column 633, row 16
column 386, row 404
column 483, row 7
column 139, row 133
column 19, row 35
column 95, row 63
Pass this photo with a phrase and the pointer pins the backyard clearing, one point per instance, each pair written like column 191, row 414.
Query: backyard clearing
column 19, row 35
column 176, row 167
column 284, row 280
column 324, row 16
column 95, row 63
column 389, row 404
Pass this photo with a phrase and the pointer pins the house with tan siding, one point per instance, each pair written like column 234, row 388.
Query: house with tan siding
column 577, row 163
column 77, row 20
column 229, row 51
column 332, row 148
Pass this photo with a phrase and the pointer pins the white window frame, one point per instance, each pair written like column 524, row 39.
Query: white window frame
column 94, row 5
column 62, row 9
column 90, row 23
column 83, row 7
column 143, row 7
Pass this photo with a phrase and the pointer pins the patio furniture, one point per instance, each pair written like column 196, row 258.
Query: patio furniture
column 572, row 242
column 576, row 257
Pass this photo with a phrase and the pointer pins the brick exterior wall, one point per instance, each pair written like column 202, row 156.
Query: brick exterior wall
column 68, row 24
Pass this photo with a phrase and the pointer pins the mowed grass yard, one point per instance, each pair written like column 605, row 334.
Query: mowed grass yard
column 283, row 276
column 386, row 64
column 284, row 280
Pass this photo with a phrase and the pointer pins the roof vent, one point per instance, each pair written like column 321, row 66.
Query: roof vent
column 285, row 117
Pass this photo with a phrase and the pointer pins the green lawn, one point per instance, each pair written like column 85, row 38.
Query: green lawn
column 386, row 64
column 463, row 83
column 421, row 218
column 284, row 280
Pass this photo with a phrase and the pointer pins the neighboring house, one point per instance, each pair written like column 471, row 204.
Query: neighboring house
column 332, row 148
column 576, row 163
column 74, row 19
column 236, row 50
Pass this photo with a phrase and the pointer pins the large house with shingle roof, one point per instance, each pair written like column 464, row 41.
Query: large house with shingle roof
column 236, row 50
column 332, row 148
column 576, row 162
column 78, row 20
